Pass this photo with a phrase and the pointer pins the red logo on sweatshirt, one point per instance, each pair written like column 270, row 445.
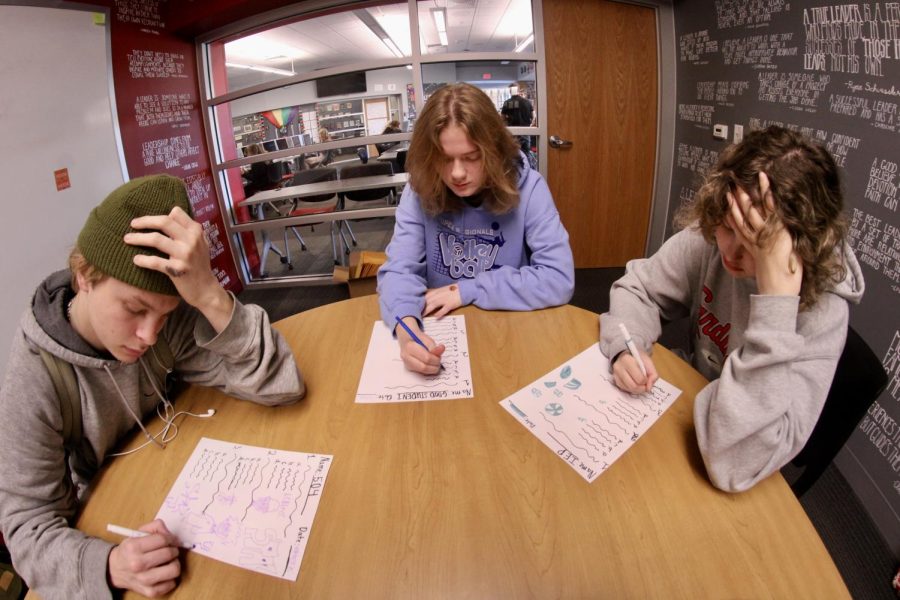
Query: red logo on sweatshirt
column 710, row 326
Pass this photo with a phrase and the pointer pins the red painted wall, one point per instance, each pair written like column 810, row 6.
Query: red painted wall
column 157, row 94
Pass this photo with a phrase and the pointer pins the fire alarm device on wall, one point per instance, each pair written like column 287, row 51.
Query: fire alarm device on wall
column 62, row 179
column 720, row 132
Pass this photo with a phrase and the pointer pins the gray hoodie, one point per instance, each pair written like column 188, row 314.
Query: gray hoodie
column 770, row 365
column 40, row 487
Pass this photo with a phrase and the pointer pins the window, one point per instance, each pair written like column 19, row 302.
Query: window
column 447, row 26
column 309, row 100
column 310, row 44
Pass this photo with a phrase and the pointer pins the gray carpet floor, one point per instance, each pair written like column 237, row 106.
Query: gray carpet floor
column 861, row 554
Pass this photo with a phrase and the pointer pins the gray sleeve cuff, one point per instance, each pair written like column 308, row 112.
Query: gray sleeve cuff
column 233, row 340
column 94, row 569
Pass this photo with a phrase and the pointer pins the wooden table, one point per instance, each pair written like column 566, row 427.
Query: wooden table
column 455, row 499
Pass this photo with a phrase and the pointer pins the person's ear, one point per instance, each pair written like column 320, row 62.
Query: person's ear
column 83, row 283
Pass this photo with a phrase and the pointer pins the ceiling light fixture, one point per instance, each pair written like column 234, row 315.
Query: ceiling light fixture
column 392, row 46
column 369, row 21
column 525, row 43
column 440, row 23
column 272, row 70
column 260, row 47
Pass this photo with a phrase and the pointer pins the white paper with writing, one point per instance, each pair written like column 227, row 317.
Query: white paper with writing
column 247, row 506
column 580, row 414
column 385, row 379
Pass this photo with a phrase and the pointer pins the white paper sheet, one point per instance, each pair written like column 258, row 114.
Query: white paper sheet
column 247, row 506
column 385, row 379
column 580, row 414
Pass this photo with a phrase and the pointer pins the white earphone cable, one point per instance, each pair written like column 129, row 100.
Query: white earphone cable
column 167, row 416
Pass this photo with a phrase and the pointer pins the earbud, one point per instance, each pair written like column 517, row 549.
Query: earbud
column 209, row 413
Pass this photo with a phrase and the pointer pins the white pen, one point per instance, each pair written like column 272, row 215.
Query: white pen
column 134, row 533
column 629, row 343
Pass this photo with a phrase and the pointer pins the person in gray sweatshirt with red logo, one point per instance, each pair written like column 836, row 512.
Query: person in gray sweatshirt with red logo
column 139, row 281
column 763, row 271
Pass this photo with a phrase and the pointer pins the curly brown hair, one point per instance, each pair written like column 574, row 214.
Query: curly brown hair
column 469, row 108
column 806, row 187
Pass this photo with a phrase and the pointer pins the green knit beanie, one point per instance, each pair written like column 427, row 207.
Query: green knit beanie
column 100, row 240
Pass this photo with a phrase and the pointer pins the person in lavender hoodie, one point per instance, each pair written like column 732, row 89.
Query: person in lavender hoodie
column 476, row 225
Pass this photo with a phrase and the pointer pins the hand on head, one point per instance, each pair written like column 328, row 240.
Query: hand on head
column 779, row 270
column 181, row 238
column 147, row 565
column 415, row 357
column 628, row 375
column 440, row 301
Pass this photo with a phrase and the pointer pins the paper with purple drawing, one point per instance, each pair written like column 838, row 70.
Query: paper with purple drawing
column 385, row 379
column 247, row 506
column 580, row 414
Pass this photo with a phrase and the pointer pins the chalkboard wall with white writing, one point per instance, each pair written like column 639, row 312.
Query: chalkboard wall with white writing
column 832, row 72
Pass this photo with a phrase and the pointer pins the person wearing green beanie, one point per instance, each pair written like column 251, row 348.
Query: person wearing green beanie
column 139, row 301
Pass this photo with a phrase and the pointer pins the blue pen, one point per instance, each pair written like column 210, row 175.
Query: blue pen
column 414, row 337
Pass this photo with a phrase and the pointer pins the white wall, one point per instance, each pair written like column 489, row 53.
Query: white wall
column 55, row 113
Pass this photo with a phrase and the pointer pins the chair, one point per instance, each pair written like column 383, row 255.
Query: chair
column 300, row 163
column 310, row 205
column 361, row 198
column 858, row 380
column 400, row 167
column 263, row 176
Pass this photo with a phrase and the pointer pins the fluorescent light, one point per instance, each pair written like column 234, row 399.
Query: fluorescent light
column 260, row 47
column 369, row 21
column 272, row 70
column 440, row 18
column 524, row 43
column 440, row 23
column 392, row 47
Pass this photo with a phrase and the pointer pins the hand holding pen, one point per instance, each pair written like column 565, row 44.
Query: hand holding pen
column 633, row 370
column 146, row 561
column 419, row 352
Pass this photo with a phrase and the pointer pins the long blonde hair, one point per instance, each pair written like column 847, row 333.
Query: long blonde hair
column 470, row 109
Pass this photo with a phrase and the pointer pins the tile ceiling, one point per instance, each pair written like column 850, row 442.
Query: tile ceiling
column 343, row 38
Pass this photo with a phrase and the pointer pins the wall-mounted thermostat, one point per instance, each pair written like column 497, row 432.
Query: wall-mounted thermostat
column 720, row 132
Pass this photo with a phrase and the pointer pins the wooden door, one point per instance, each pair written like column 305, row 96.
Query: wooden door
column 602, row 96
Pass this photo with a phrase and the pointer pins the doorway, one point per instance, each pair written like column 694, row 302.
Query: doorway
column 376, row 116
column 602, row 96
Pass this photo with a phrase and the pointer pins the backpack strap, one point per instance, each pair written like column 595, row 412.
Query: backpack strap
column 62, row 374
